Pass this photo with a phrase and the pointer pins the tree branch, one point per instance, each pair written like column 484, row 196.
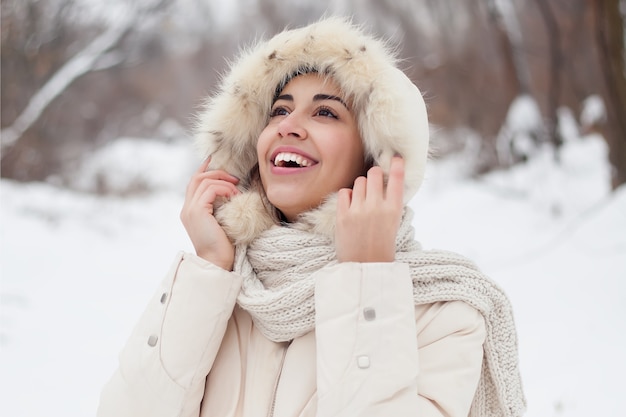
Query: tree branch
column 77, row 66
column 82, row 63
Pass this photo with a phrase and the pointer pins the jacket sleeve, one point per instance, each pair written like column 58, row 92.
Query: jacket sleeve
column 163, row 367
column 369, row 358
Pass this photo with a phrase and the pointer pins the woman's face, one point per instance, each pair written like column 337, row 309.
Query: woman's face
column 311, row 146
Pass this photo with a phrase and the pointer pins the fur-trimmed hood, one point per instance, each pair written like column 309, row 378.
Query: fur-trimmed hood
column 389, row 109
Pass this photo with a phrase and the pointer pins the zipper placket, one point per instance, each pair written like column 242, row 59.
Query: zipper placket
column 280, row 372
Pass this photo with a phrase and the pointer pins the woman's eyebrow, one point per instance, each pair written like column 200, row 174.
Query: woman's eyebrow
column 287, row 97
column 321, row 97
column 317, row 97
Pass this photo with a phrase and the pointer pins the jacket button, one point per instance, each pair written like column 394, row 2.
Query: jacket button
column 369, row 313
column 363, row 362
column 163, row 298
column 152, row 340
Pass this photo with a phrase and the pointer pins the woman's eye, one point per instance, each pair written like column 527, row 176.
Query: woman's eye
column 279, row 111
column 326, row 112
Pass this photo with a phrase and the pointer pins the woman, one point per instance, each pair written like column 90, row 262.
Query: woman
column 307, row 295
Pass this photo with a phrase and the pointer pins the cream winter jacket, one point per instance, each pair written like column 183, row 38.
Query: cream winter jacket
column 373, row 353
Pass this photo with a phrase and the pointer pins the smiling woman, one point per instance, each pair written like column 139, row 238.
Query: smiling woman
column 307, row 294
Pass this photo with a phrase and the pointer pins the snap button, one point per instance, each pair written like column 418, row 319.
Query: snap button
column 369, row 313
column 363, row 362
column 152, row 340
column 163, row 298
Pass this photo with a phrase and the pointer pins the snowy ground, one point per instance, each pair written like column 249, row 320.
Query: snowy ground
column 77, row 271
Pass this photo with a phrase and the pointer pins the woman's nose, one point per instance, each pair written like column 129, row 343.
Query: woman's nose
column 292, row 125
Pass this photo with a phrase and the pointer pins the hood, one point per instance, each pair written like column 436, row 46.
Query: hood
column 389, row 108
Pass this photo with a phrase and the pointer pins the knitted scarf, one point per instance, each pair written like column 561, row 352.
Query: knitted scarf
column 278, row 292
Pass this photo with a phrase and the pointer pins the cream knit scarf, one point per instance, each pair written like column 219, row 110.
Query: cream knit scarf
column 278, row 292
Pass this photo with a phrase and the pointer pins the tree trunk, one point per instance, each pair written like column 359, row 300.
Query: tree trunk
column 609, row 36
column 502, row 16
column 556, row 59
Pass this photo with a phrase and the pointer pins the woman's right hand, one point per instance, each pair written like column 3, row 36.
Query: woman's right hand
column 208, row 238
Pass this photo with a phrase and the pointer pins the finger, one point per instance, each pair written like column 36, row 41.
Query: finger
column 199, row 177
column 375, row 184
column 218, row 174
column 222, row 186
column 344, row 196
column 359, row 190
column 205, row 201
column 395, row 185
column 194, row 181
column 204, row 165
column 193, row 195
column 208, row 196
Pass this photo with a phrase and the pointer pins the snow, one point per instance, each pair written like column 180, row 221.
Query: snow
column 521, row 129
column 593, row 111
column 156, row 166
column 553, row 238
column 78, row 269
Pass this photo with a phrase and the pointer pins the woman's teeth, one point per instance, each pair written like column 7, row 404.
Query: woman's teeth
column 284, row 159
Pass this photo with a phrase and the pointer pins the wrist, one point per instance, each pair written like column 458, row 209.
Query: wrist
column 367, row 258
column 225, row 264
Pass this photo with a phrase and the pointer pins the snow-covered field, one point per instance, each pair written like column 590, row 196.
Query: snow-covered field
column 78, row 269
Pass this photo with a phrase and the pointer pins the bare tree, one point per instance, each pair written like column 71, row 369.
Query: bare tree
column 556, row 62
column 130, row 78
column 503, row 16
column 610, row 40
column 83, row 62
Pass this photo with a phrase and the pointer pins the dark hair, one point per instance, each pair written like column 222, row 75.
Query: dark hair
column 300, row 71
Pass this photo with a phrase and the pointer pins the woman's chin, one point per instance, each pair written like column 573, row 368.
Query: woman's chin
column 287, row 207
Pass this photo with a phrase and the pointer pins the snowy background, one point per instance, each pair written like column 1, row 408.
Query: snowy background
column 78, row 269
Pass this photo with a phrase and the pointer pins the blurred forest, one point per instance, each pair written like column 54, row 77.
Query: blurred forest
column 77, row 74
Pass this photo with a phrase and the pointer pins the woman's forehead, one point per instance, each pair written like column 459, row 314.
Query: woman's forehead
column 313, row 80
column 317, row 86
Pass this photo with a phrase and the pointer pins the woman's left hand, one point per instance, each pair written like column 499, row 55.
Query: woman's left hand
column 368, row 216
